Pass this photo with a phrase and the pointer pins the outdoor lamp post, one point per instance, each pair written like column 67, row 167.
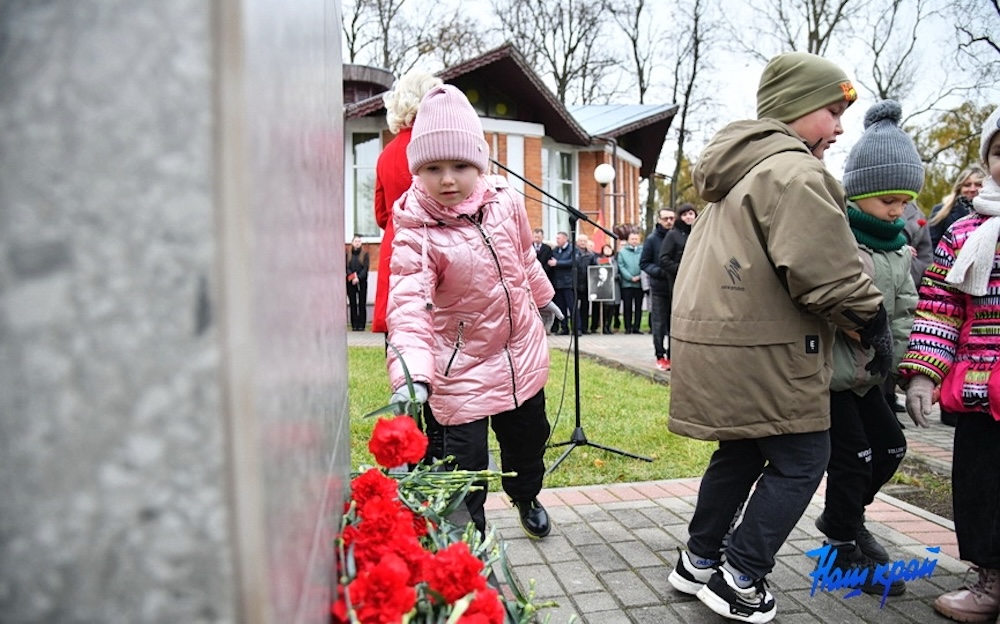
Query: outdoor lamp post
column 604, row 174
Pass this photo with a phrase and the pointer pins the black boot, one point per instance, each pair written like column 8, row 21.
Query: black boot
column 534, row 518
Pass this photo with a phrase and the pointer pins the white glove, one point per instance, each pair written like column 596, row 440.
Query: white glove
column 401, row 397
column 918, row 399
column 550, row 312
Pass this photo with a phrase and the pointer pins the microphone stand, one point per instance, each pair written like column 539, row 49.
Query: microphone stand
column 579, row 438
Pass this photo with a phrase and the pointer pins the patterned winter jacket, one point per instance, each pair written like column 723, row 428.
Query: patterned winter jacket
column 955, row 335
column 463, row 302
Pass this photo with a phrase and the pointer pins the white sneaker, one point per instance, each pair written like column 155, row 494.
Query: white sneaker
column 722, row 595
column 687, row 577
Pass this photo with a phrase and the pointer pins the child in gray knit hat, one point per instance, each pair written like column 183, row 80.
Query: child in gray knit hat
column 882, row 175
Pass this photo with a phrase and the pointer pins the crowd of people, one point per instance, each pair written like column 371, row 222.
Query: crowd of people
column 812, row 340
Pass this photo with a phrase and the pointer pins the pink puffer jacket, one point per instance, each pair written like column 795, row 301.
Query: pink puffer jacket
column 463, row 305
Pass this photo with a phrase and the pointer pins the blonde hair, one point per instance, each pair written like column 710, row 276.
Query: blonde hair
column 402, row 101
column 949, row 200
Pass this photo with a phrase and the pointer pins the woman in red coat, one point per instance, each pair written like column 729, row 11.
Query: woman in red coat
column 392, row 173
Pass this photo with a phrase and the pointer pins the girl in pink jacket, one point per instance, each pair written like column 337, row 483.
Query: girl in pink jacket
column 463, row 311
column 954, row 346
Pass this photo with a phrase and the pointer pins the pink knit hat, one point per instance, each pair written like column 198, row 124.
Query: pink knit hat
column 447, row 128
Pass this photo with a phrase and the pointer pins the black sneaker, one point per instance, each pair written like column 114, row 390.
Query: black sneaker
column 865, row 540
column 722, row 595
column 534, row 518
column 691, row 575
column 850, row 560
column 870, row 546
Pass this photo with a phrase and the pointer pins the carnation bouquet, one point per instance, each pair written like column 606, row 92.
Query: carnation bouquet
column 399, row 558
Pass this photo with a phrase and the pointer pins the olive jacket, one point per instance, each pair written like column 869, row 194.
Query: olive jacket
column 770, row 270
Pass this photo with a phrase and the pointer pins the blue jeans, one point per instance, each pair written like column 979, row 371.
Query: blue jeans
column 790, row 468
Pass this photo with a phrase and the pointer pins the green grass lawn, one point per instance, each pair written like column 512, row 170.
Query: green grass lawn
column 618, row 409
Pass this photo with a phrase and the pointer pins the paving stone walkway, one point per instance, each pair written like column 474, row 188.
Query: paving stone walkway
column 612, row 546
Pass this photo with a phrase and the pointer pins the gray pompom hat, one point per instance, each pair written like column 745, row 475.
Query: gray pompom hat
column 884, row 160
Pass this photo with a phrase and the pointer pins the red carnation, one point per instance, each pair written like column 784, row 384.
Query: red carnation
column 485, row 608
column 397, row 441
column 382, row 522
column 921, row 222
column 412, row 552
column 373, row 483
column 381, row 594
column 454, row 572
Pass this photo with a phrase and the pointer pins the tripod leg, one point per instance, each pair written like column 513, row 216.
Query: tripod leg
column 562, row 457
column 619, row 452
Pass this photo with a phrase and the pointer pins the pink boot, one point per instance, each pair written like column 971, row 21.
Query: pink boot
column 978, row 602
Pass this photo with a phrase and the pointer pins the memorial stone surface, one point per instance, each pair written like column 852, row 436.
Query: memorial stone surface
column 173, row 370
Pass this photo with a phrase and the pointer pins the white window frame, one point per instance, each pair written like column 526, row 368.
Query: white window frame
column 358, row 126
column 556, row 218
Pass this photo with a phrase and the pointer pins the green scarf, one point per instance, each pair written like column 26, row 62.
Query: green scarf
column 875, row 233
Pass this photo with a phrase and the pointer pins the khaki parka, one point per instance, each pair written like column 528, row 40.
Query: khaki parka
column 770, row 269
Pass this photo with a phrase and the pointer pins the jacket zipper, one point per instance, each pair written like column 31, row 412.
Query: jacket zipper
column 459, row 343
column 510, row 306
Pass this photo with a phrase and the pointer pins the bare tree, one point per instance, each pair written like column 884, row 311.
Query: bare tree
column 891, row 43
column 357, row 34
column 806, row 25
column 635, row 23
column 977, row 23
column 689, row 64
column 563, row 38
column 454, row 39
column 380, row 33
column 946, row 145
column 386, row 17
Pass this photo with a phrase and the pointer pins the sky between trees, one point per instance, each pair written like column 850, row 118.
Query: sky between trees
column 706, row 56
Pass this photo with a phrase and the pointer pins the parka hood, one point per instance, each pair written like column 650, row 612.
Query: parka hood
column 738, row 148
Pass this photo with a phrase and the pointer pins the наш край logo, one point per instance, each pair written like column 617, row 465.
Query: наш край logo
column 827, row 578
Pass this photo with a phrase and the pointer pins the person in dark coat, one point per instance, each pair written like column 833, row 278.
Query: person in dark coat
column 660, row 286
column 584, row 259
column 357, row 284
column 542, row 251
column 561, row 264
column 672, row 248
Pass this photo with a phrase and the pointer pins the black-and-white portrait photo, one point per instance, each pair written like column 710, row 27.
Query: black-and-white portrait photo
column 601, row 283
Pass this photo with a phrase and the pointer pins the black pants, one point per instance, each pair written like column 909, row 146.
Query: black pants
column 866, row 447
column 566, row 302
column 521, row 434
column 787, row 470
column 659, row 322
column 602, row 314
column 632, row 308
column 582, row 310
column 975, row 481
column 357, row 299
